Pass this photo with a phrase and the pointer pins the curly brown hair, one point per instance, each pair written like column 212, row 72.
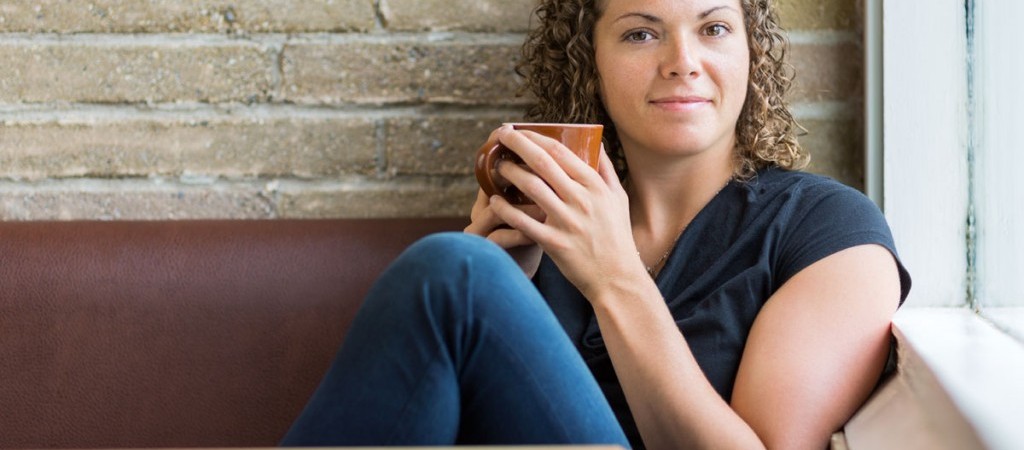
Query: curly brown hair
column 559, row 68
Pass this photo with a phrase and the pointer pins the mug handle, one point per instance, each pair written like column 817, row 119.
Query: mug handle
column 487, row 175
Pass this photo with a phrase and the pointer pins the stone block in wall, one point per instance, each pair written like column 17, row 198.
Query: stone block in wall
column 464, row 15
column 130, row 69
column 820, row 14
column 441, row 144
column 131, row 200
column 837, row 149
column 401, row 69
column 181, row 16
column 122, row 143
column 827, row 71
column 395, row 198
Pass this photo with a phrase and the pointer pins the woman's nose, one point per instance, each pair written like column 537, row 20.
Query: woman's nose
column 678, row 60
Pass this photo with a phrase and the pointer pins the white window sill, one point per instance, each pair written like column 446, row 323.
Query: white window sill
column 1009, row 319
column 959, row 384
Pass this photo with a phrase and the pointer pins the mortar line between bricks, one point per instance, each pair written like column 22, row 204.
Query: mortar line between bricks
column 277, row 77
column 380, row 137
column 426, row 37
column 208, row 39
column 822, row 37
column 88, row 114
column 175, row 39
column 185, row 113
column 830, row 110
column 380, row 21
column 262, row 184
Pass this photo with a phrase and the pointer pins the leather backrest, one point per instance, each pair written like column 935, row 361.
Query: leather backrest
column 177, row 334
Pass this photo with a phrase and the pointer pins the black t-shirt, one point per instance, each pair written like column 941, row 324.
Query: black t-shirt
column 739, row 249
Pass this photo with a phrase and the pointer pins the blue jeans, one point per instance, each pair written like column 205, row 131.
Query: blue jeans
column 454, row 345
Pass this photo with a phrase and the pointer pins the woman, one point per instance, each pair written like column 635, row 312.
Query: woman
column 695, row 291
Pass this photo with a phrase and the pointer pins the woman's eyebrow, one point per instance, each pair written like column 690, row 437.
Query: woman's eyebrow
column 644, row 16
column 712, row 10
column 656, row 19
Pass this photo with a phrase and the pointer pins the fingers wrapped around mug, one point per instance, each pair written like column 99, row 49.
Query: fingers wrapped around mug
column 587, row 230
column 550, row 173
column 516, row 141
column 486, row 223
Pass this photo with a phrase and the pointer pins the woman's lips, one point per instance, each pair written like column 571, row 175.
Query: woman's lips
column 681, row 103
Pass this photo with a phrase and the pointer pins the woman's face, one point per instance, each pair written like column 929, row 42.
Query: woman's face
column 673, row 73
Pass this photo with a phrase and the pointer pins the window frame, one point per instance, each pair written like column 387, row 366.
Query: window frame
column 957, row 373
column 997, row 195
column 925, row 176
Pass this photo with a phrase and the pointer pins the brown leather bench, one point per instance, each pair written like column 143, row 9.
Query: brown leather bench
column 177, row 334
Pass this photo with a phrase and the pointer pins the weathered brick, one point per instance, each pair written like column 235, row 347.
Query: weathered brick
column 439, row 145
column 827, row 71
column 176, row 16
column 836, row 148
column 131, row 200
column 820, row 14
column 467, row 15
column 197, row 145
column 404, row 69
column 135, row 70
column 303, row 159
column 395, row 198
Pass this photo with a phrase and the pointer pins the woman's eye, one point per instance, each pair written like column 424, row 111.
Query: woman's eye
column 639, row 36
column 716, row 30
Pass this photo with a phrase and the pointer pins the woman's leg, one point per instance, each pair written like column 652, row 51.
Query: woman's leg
column 455, row 345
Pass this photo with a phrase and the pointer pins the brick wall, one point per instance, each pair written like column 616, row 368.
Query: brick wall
column 147, row 109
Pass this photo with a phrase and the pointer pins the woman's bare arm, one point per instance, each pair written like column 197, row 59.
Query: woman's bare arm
column 812, row 357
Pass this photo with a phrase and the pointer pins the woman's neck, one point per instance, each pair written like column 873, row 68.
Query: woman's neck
column 666, row 195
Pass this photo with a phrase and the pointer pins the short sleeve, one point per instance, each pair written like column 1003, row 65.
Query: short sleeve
column 830, row 218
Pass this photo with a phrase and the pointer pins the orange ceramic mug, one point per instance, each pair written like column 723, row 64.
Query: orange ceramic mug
column 583, row 139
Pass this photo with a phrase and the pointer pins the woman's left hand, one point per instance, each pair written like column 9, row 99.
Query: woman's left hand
column 587, row 230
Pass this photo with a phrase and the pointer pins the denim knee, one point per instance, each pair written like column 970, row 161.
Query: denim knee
column 461, row 268
column 448, row 253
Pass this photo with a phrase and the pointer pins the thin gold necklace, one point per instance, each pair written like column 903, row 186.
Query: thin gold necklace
column 652, row 269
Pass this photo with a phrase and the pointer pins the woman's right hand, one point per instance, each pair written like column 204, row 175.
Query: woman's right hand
column 483, row 222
